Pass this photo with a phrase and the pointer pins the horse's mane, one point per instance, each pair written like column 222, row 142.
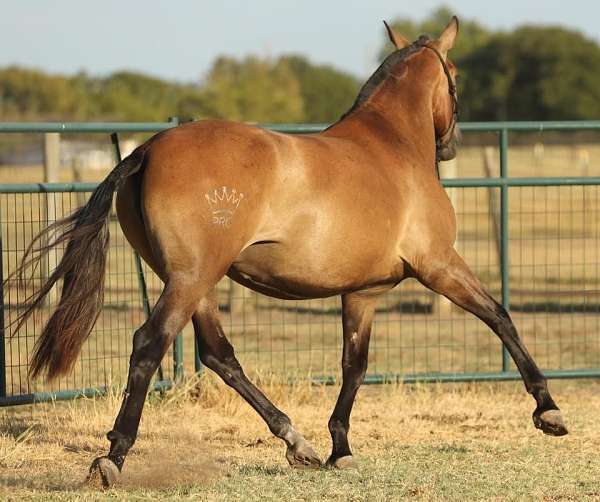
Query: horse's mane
column 383, row 72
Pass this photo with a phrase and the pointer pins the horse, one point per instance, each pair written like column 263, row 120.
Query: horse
column 351, row 211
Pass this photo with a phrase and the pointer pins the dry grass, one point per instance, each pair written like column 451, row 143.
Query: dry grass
column 201, row 442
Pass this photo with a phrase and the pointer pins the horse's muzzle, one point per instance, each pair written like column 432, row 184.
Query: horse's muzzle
column 448, row 151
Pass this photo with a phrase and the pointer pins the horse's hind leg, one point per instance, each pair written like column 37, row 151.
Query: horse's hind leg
column 450, row 276
column 150, row 343
column 217, row 354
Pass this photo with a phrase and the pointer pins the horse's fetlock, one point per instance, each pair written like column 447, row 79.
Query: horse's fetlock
column 279, row 425
column 539, row 387
column 336, row 424
column 120, row 444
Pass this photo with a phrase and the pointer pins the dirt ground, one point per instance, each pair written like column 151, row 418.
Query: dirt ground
column 202, row 442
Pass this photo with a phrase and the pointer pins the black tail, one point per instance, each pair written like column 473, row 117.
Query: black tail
column 82, row 271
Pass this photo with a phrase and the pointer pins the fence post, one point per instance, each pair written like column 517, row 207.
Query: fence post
column 440, row 304
column 2, row 325
column 114, row 137
column 77, row 170
column 51, row 175
column 494, row 207
column 504, row 245
column 178, row 344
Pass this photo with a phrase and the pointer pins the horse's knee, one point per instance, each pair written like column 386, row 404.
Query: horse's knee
column 494, row 315
column 218, row 354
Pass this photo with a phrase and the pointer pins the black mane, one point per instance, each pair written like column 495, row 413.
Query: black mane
column 384, row 71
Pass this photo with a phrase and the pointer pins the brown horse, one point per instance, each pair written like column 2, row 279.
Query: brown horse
column 351, row 211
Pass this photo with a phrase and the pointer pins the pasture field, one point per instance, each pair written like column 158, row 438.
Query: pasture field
column 202, row 442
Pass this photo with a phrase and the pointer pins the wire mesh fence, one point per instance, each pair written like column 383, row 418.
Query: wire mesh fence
column 555, row 275
column 550, row 230
column 104, row 356
column 555, row 289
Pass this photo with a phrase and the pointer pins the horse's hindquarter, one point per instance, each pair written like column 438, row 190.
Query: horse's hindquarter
column 202, row 194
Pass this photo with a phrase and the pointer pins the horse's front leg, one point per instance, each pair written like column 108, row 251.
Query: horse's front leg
column 448, row 275
column 357, row 317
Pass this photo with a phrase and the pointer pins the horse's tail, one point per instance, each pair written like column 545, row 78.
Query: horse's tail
column 81, row 268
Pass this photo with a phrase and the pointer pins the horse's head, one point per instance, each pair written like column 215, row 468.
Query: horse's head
column 445, row 101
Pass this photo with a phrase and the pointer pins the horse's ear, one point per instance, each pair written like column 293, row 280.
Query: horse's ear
column 446, row 40
column 398, row 40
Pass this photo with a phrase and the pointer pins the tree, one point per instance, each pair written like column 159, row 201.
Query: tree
column 541, row 73
column 253, row 90
column 134, row 96
column 531, row 73
column 30, row 94
column 33, row 95
column 472, row 37
column 326, row 92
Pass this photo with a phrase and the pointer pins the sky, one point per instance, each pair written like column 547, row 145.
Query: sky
column 179, row 39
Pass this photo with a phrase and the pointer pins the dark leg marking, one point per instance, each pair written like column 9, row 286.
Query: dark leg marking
column 150, row 343
column 217, row 354
column 453, row 279
column 357, row 316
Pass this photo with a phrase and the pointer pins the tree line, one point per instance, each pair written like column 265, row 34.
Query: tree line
column 288, row 89
column 532, row 72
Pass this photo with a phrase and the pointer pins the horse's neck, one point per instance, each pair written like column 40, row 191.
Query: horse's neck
column 398, row 115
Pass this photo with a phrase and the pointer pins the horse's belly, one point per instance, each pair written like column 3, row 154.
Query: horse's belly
column 295, row 273
column 278, row 287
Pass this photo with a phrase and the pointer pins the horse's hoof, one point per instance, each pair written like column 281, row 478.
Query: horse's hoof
column 346, row 462
column 550, row 422
column 104, row 473
column 302, row 455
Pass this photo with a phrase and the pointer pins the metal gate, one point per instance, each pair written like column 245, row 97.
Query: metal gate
column 534, row 241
